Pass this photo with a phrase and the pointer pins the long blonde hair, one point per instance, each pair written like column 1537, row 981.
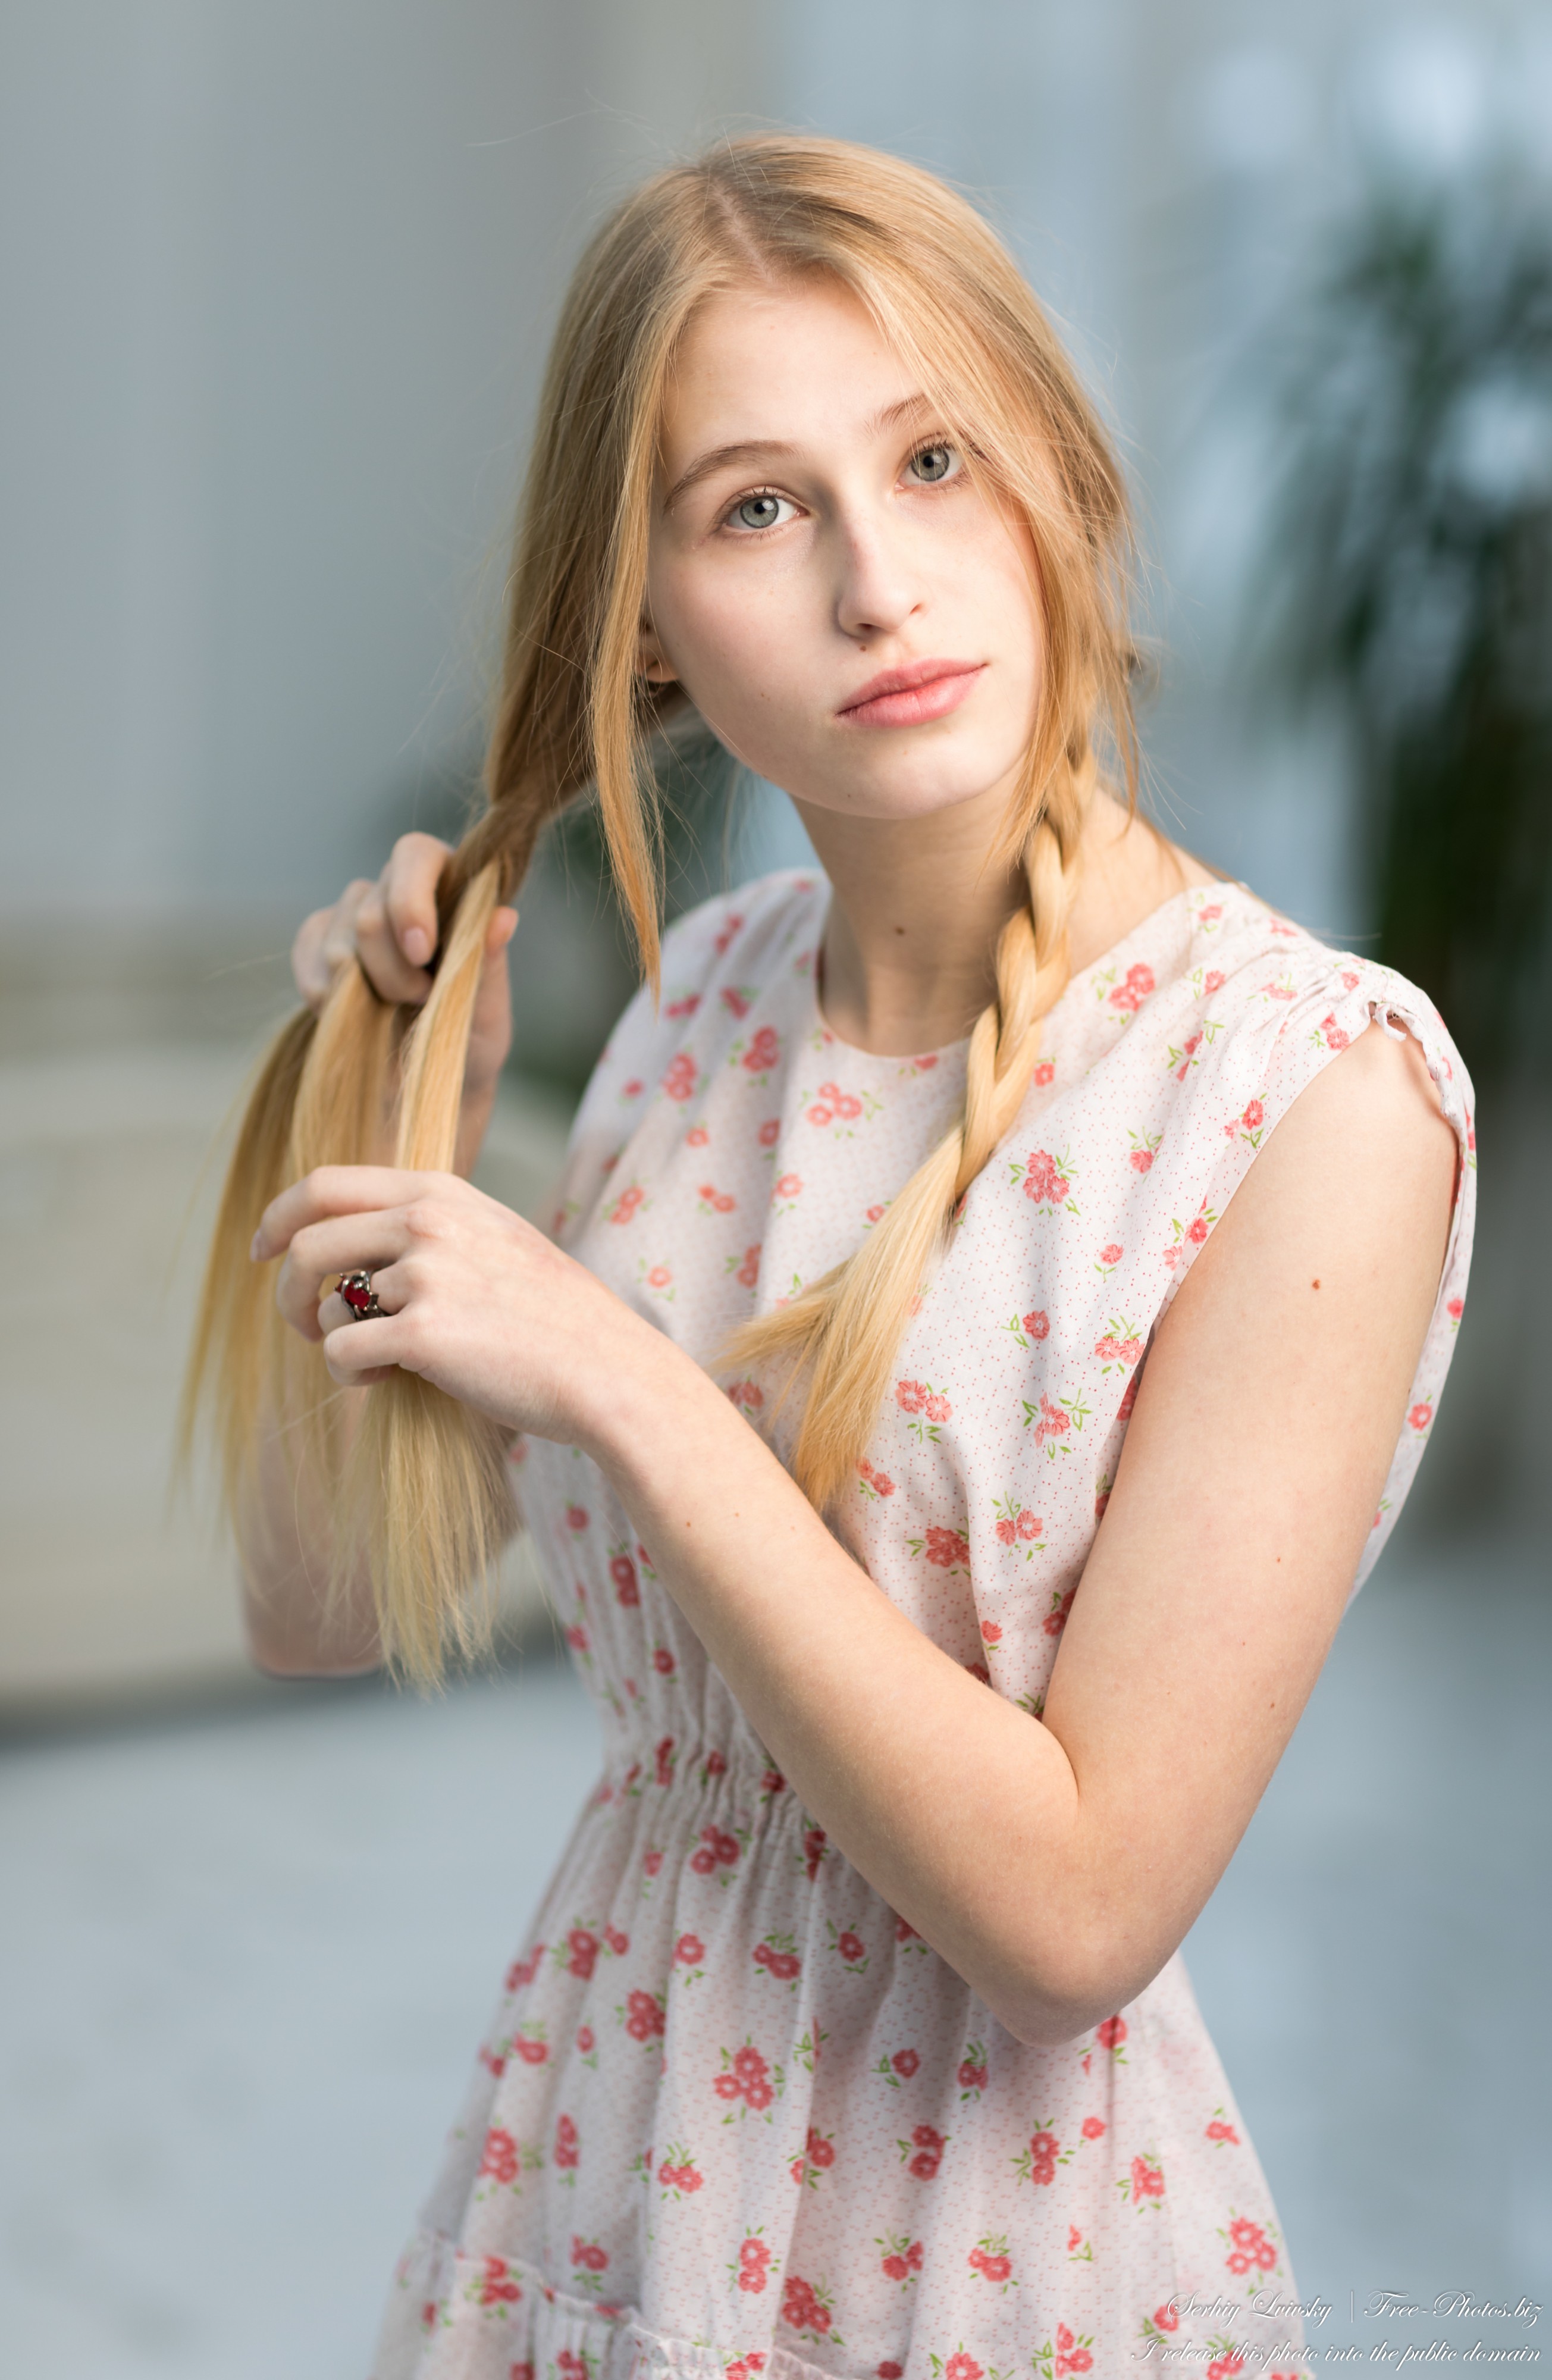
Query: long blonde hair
column 423, row 1493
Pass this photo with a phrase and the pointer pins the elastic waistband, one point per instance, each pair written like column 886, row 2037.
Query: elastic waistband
column 682, row 1764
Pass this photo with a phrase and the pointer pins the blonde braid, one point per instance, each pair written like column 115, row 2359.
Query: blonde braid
column 845, row 1329
column 418, row 1453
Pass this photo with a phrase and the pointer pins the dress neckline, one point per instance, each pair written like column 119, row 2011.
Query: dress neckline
column 1110, row 958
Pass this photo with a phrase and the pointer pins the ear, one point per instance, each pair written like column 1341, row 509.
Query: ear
column 650, row 659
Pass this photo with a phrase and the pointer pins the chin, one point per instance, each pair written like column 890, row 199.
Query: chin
column 917, row 791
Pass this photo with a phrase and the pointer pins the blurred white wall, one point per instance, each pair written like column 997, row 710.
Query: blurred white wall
column 277, row 284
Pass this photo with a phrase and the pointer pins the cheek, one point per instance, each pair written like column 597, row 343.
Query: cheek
column 741, row 653
column 1001, row 577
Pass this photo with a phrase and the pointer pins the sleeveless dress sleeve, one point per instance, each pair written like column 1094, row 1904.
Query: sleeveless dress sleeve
column 1292, row 1006
column 1164, row 1069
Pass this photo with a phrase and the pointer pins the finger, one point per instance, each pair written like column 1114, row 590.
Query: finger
column 492, row 1000
column 324, row 1253
column 339, row 931
column 333, row 1312
column 390, row 1286
column 355, row 1355
column 389, row 972
column 309, row 968
column 490, row 1023
column 326, row 941
column 336, row 1190
column 494, row 979
column 409, row 890
column 363, row 1353
column 339, row 951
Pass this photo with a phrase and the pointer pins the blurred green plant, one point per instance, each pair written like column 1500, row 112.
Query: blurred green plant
column 1408, row 568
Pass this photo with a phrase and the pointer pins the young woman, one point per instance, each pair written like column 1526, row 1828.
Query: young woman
column 994, row 1311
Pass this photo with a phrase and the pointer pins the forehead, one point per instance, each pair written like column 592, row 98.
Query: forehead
column 779, row 362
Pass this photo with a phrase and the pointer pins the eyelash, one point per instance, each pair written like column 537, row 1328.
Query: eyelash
column 749, row 495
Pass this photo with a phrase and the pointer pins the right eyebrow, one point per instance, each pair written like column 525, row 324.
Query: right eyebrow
column 718, row 458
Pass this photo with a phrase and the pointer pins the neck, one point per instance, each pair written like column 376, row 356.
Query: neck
column 917, row 907
column 909, row 957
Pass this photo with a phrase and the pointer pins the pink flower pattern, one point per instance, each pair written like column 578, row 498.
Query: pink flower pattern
column 677, row 2131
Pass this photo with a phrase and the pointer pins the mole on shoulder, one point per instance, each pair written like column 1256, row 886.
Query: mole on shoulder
column 1314, row 1285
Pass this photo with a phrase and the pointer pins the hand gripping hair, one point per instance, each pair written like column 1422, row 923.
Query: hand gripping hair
column 420, row 1493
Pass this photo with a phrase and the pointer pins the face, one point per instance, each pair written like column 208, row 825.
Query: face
column 856, row 621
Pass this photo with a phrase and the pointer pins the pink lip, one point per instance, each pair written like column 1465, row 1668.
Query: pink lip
column 904, row 697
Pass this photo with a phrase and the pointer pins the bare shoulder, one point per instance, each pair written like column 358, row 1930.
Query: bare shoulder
column 1375, row 1102
column 1351, row 1195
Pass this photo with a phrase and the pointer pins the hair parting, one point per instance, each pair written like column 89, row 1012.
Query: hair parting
column 418, row 1489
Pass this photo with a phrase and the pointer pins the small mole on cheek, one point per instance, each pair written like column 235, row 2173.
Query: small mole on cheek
column 900, row 930
column 1314, row 1285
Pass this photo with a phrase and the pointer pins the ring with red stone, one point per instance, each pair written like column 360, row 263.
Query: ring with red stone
column 359, row 1294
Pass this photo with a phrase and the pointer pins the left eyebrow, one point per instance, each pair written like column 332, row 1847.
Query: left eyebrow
column 719, row 459
column 757, row 450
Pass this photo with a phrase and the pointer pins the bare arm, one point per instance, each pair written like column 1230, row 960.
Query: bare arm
column 391, row 927
column 1264, row 1425
column 1215, row 1586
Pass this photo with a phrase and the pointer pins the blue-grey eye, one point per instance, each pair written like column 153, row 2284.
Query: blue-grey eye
column 759, row 512
column 930, row 463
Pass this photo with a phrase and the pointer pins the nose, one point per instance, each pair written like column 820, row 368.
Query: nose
column 879, row 588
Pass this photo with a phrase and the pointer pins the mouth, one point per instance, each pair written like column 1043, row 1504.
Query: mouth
column 908, row 696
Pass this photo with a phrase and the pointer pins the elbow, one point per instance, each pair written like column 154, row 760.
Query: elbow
column 291, row 1662
column 1045, row 2023
column 1048, row 2001
column 277, row 1654
column 291, row 1637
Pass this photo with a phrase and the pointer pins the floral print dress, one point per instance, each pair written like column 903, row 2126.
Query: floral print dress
column 733, row 2116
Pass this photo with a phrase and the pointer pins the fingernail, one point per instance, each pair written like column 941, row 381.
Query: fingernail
column 416, row 944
